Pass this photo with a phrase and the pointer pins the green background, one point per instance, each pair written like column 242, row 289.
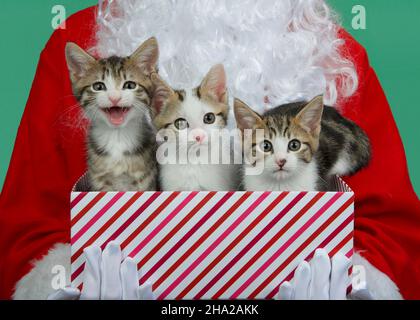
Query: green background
column 392, row 40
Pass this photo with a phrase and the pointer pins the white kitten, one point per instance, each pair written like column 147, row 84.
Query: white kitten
column 190, row 159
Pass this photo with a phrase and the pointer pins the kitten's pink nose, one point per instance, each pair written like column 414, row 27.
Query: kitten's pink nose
column 115, row 100
column 199, row 137
column 281, row 163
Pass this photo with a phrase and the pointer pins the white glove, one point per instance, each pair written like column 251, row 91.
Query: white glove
column 321, row 279
column 361, row 294
column 107, row 278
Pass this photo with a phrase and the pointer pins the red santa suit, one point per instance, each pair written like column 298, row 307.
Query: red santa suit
column 49, row 158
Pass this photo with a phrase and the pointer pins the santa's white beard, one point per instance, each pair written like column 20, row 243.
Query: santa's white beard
column 274, row 51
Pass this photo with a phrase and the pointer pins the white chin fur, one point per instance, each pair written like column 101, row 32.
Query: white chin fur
column 263, row 59
column 37, row 284
column 306, row 180
column 379, row 285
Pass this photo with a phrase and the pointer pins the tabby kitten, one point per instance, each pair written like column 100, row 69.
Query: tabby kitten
column 116, row 96
column 303, row 146
column 195, row 115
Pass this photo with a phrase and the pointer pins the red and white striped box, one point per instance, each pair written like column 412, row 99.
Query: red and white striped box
column 213, row 245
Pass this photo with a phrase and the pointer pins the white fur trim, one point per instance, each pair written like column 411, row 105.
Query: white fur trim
column 274, row 51
column 37, row 284
column 379, row 285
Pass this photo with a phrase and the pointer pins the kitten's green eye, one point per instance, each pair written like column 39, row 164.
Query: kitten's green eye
column 130, row 85
column 99, row 86
column 181, row 124
column 266, row 146
column 295, row 145
column 209, row 118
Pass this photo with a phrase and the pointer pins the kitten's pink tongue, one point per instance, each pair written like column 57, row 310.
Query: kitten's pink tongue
column 117, row 115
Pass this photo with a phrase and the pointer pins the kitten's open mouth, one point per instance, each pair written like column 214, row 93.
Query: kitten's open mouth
column 116, row 115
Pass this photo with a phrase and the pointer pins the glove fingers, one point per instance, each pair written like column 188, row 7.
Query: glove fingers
column 65, row 294
column 320, row 275
column 302, row 281
column 111, row 288
column 145, row 292
column 130, row 280
column 340, row 278
column 92, row 274
column 362, row 294
column 285, row 291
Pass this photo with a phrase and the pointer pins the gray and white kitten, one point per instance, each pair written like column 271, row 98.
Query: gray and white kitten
column 303, row 146
column 116, row 95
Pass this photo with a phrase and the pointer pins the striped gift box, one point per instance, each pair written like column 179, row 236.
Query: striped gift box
column 213, row 245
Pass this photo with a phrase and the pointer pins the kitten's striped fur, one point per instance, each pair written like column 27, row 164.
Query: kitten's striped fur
column 120, row 158
column 330, row 145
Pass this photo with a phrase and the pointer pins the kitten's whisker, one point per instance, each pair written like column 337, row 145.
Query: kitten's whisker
column 68, row 120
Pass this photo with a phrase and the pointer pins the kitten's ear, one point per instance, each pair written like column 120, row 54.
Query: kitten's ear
column 78, row 61
column 214, row 85
column 246, row 118
column 162, row 93
column 310, row 117
column 147, row 56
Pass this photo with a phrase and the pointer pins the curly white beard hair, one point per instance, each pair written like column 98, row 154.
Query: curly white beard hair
column 274, row 52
